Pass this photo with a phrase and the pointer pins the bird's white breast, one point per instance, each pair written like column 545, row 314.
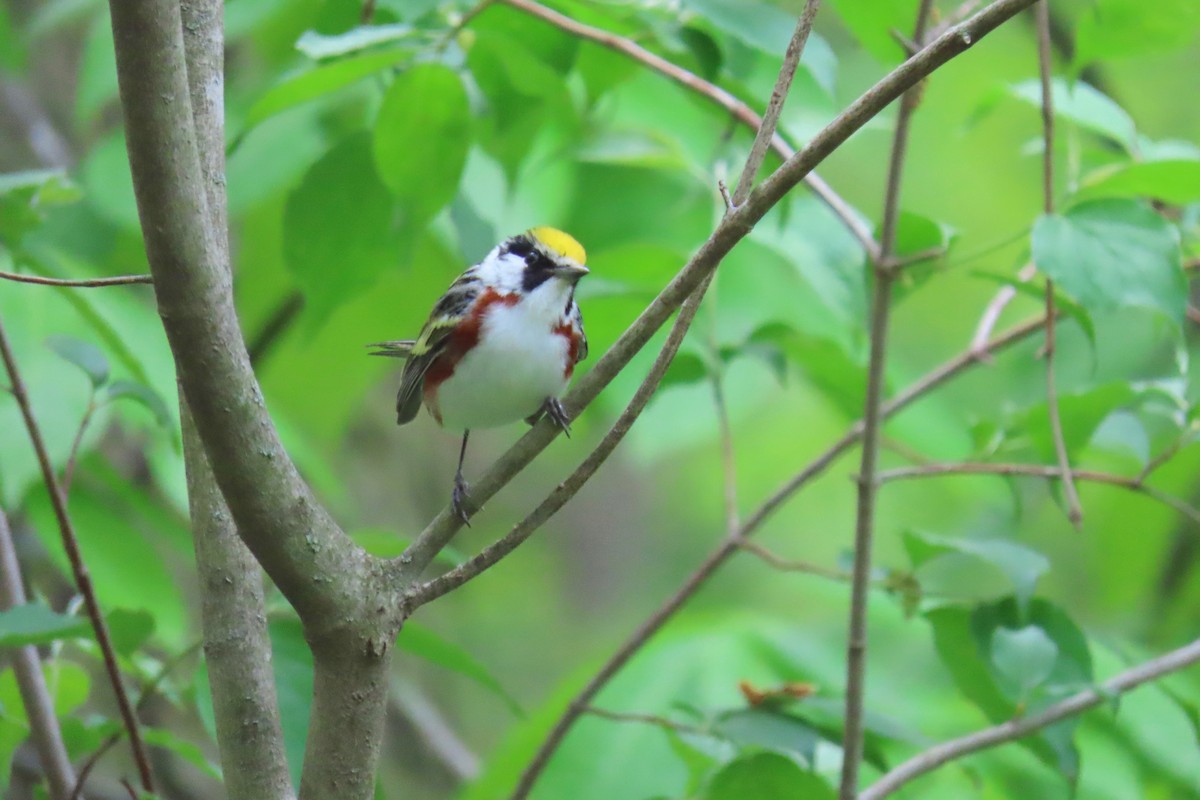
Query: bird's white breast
column 517, row 363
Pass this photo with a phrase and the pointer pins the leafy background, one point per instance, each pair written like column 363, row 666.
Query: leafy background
column 369, row 164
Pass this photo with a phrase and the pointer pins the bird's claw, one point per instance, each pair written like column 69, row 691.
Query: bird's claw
column 459, row 499
column 553, row 408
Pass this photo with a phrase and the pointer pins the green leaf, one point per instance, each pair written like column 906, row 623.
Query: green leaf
column 188, row 751
column 758, row 728
column 1020, row 564
column 142, row 395
column 766, row 775
column 421, row 139
column 1108, row 29
column 319, row 82
column 685, row 368
column 424, row 642
column 1025, row 656
column 1175, row 181
column 824, row 363
column 964, row 637
column 1081, row 414
column 25, row 196
column 84, row 355
column 338, row 227
column 1111, row 254
column 524, row 94
column 1085, row 106
column 129, row 629
column 316, row 45
column 34, row 623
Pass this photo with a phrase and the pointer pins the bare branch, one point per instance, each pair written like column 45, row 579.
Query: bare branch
column 864, row 527
column 728, row 456
column 1074, row 510
column 119, row 280
column 285, row 526
column 31, row 683
column 1020, row 727
column 79, row 570
column 236, row 645
column 991, row 314
column 770, row 119
column 73, row 455
column 1041, row 471
column 646, row 719
column 790, row 565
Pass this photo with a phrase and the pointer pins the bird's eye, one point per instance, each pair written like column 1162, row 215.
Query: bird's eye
column 531, row 259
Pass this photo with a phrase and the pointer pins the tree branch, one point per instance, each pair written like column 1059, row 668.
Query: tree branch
column 119, row 280
column 289, row 532
column 864, row 527
column 732, row 229
column 1042, row 471
column 1020, row 727
column 237, row 649
column 770, row 119
column 736, row 107
column 1074, row 510
column 31, row 683
column 334, row 585
column 79, row 570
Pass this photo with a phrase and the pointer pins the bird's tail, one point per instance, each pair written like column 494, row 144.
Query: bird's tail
column 400, row 348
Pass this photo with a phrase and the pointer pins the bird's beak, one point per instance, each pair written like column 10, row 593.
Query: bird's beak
column 571, row 272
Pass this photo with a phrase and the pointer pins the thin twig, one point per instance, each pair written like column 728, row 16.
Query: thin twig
column 646, row 719
column 31, row 683
column 73, row 456
column 728, row 456
column 1070, row 493
column 864, row 527
column 993, row 310
column 736, row 107
column 1042, row 471
column 791, row 565
column 87, row 283
column 83, row 579
column 1020, row 727
column 900, row 263
column 729, row 545
column 770, row 118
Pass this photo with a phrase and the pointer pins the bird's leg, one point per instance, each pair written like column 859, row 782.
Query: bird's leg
column 460, row 496
column 553, row 408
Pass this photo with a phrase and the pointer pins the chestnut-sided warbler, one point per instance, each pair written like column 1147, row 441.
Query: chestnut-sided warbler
column 501, row 343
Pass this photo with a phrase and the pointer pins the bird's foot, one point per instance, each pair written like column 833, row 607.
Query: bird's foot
column 459, row 499
column 553, row 408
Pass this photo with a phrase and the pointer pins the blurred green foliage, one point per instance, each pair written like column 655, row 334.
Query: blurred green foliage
column 369, row 163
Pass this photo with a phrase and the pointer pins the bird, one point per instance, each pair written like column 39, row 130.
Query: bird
column 500, row 345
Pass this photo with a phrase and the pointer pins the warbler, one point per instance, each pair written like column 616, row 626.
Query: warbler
column 500, row 345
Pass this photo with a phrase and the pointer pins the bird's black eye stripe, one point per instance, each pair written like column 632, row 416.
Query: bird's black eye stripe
column 538, row 269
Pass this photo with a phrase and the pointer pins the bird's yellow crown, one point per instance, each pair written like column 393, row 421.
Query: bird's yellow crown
column 562, row 243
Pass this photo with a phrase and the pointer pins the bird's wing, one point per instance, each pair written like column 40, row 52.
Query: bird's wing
column 399, row 348
column 577, row 319
column 421, row 353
